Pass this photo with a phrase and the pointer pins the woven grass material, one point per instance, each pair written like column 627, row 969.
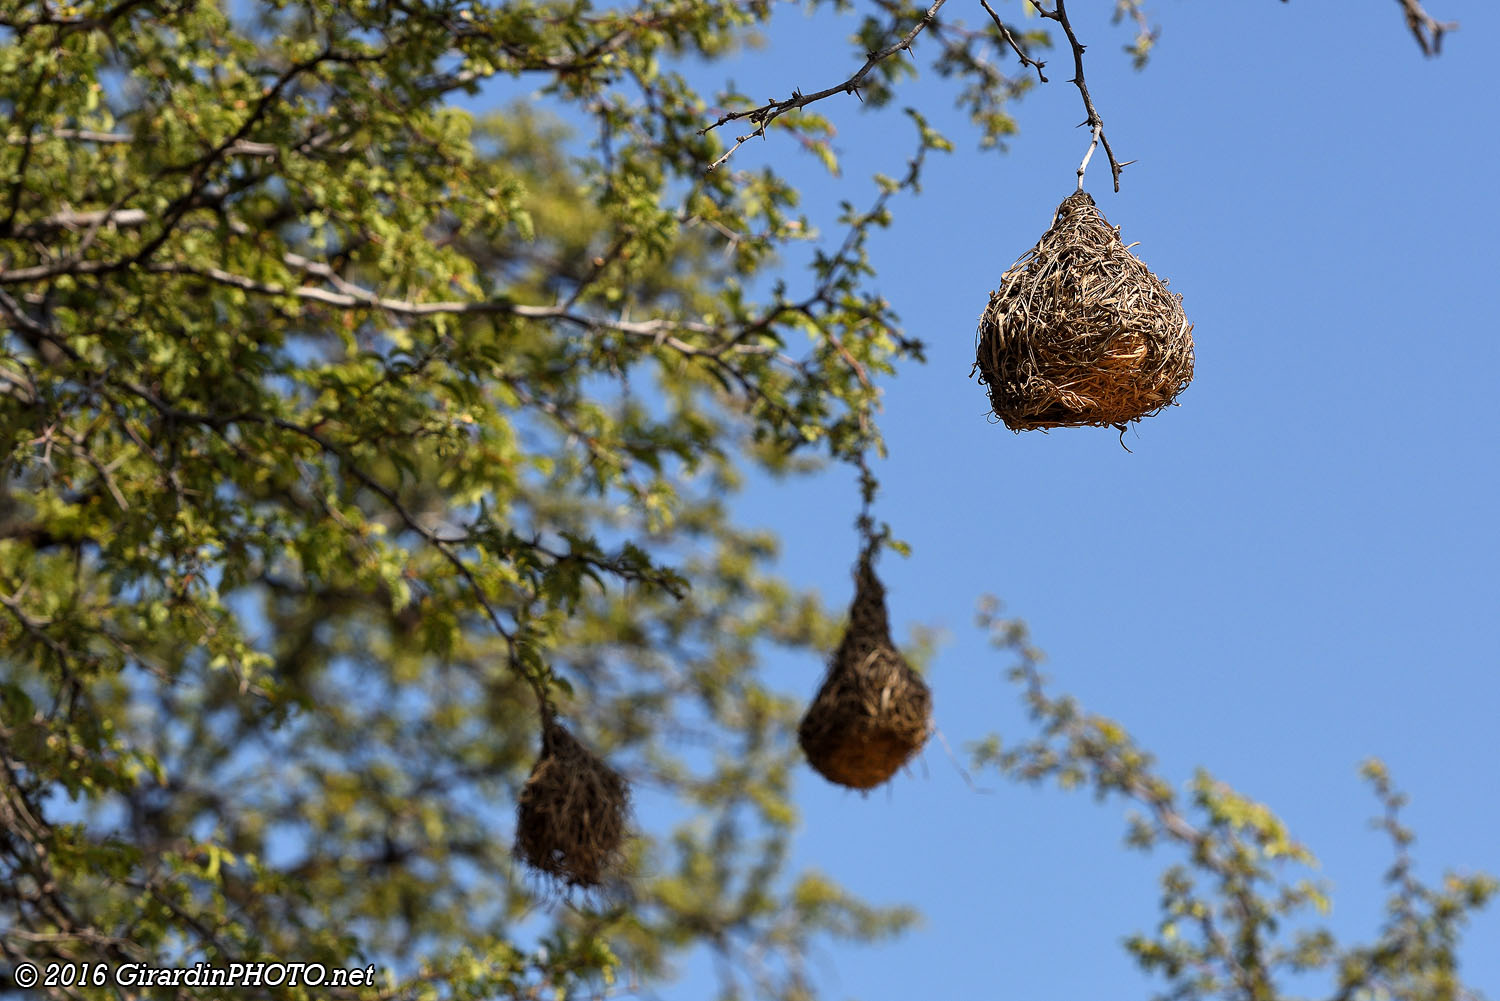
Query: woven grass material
column 571, row 813
column 873, row 711
column 1081, row 332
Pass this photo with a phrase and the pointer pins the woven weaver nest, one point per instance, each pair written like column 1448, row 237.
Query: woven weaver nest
column 873, row 711
column 1081, row 332
column 571, row 815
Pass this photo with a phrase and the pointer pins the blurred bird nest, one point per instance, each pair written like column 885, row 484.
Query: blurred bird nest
column 571, row 813
column 873, row 711
column 1081, row 332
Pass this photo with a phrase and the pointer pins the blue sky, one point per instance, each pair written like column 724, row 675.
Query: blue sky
column 1292, row 571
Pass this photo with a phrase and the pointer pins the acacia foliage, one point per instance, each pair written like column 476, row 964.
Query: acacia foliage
column 340, row 427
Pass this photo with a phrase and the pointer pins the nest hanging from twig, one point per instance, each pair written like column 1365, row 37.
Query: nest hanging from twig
column 873, row 711
column 571, row 813
column 1081, row 332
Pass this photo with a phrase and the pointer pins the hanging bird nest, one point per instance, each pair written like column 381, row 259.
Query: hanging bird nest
column 571, row 813
column 873, row 711
column 1081, row 332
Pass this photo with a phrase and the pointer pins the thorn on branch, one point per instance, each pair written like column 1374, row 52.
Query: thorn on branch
column 1015, row 46
column 1095, row 121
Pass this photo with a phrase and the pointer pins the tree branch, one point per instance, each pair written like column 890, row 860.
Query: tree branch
column 767, row 113
column 1015, row 46
column 1427, row 30
column 242, row 147
column 1094, row 121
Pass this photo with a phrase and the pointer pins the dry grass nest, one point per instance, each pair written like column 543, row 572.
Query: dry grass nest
column 572, row 811
column 873, row 711
column 1081, row 332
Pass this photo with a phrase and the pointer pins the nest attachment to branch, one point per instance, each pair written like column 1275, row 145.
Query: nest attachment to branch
column 873, row 712
column 1081, row 332
column 571, row 814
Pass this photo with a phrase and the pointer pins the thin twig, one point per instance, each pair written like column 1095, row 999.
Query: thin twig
column 1015, row 46
column 1094, row 121
column 959, row 765
column 1088, row 154
column 767, row 113
column 1427, row 30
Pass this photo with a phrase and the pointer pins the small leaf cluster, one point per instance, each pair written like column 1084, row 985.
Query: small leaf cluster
column 1239, row 911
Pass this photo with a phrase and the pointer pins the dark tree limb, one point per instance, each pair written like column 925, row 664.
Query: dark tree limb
column 1094, row 121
